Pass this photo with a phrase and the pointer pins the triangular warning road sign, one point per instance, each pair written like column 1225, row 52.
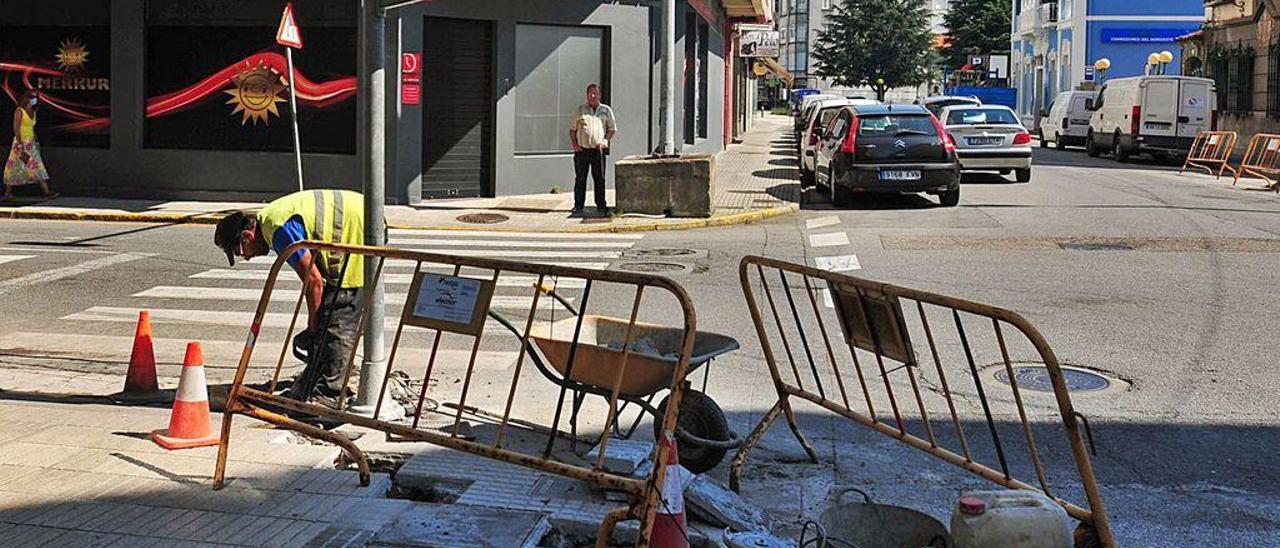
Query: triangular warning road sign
column 289, row 35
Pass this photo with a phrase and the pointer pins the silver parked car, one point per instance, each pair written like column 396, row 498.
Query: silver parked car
column 989, row 138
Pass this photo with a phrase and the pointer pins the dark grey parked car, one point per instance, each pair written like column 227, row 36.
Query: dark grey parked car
column 888, row 149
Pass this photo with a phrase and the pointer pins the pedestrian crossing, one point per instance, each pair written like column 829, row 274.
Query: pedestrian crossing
column 219, row 304
column 831, row 237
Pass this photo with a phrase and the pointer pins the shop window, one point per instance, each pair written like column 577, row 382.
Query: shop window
column 70, row 67
column 554, row 65
column 212, row 87
column 1273, row 80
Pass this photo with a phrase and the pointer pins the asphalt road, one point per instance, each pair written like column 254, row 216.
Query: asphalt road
column 1161, row 281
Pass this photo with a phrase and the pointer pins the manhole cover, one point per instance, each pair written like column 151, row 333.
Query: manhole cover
column 662, row 252
column 650, row 267
column 1083, row 246
column 1036, row 377
column 482, row 218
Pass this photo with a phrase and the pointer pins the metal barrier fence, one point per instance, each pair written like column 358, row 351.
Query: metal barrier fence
column 615, row 358
column 1212, row 148
column 1261, row 159
column 881, row 327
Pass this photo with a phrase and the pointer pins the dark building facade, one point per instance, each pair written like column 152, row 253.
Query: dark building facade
column 171, row 99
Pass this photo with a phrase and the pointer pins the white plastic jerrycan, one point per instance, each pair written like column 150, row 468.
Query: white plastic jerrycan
column 1009, row 519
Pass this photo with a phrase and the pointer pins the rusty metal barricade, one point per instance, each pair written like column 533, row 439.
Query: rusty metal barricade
column 473, row 280
column 1262, row 160
column 850, row 347
column 1209, row 149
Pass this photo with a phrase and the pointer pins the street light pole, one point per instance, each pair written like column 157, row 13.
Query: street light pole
column 372, row 157
column 666, row 110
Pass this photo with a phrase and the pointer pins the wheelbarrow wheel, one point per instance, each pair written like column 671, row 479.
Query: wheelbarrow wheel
column 702, row 417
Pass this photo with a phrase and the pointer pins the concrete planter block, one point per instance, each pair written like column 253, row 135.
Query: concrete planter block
column 677, row 186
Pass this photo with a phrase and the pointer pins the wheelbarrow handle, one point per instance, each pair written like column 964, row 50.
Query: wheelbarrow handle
column 820, row 537
column 866, row 498
column 551, row 291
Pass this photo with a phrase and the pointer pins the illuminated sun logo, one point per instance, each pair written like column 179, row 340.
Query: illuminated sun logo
column 72, row 55
column 255, row 93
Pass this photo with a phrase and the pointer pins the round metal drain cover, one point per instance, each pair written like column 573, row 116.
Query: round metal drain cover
column 1036, row 377
column 661, row 252
column 482, row 218
column 651, row 267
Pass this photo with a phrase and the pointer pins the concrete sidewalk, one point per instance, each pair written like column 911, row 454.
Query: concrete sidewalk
column 86, row 475
column 752, row 183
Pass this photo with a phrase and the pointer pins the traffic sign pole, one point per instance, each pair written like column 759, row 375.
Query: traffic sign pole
column 293, row 108
column 289, row 36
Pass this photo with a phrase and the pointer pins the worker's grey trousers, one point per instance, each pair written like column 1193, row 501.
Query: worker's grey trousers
column 340, row 313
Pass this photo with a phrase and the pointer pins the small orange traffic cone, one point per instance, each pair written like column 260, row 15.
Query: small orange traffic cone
column 670, row 529
column 140, row 385
column 189, row 422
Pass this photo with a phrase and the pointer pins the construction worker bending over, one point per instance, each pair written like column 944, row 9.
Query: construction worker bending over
column 331, row 216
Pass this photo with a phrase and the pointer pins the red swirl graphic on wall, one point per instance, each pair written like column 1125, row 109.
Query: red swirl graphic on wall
column 96, row 118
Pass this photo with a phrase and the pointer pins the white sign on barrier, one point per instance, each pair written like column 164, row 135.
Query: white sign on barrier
column 1213, row 139
column 1273, row 144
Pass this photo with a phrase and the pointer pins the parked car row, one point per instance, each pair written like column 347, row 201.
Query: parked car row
column 859, row 146
column 1158, row 115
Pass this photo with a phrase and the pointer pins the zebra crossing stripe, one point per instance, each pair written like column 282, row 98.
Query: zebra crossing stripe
column 523, row 280
column 408, row 233
column 436, row 267
column 820, row 222
column 12, row 258
column 828, row 239
column 543, row 244
column 838, row 263
column 252, row 294
column 54, row 274
column 219, row 353
column 271, row 320
column 517, row 253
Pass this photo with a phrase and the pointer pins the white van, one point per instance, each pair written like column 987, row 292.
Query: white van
column 1159, row 115
column 1067, row 120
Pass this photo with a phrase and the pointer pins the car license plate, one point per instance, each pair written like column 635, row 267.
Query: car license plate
column 985, row 140
column 900, row 175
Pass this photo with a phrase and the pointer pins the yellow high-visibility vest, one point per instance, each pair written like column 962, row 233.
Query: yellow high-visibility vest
column 331, row 216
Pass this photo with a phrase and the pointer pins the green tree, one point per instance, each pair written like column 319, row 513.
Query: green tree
column 881, row 44
column 976, row 27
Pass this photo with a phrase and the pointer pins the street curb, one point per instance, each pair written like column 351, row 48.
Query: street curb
column 748, row 217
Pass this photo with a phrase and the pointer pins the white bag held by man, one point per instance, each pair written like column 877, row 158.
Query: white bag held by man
column 591, row 132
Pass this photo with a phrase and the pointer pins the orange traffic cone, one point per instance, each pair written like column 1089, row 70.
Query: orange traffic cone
column 140, row 385
column 189, row 422
column 670, row 529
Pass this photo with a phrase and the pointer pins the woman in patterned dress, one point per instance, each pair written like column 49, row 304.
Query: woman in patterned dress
column 25, row 166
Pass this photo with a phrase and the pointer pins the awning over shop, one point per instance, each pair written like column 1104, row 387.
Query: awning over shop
column 760, row 10
column 774, row 67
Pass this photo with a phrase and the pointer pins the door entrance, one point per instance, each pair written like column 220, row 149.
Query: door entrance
column 457, row 123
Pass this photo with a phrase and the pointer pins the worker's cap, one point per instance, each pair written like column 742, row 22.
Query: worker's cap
column 227, row 235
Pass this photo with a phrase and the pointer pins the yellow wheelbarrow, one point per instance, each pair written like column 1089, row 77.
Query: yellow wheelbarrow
column 701, row 428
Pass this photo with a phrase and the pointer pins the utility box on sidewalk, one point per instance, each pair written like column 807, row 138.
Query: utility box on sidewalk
column 676, row 186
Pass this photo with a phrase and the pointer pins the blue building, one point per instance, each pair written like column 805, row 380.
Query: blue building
column 1056, row 42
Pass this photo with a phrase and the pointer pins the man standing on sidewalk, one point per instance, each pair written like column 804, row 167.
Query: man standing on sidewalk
column 590, row 133
column 331, row 216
